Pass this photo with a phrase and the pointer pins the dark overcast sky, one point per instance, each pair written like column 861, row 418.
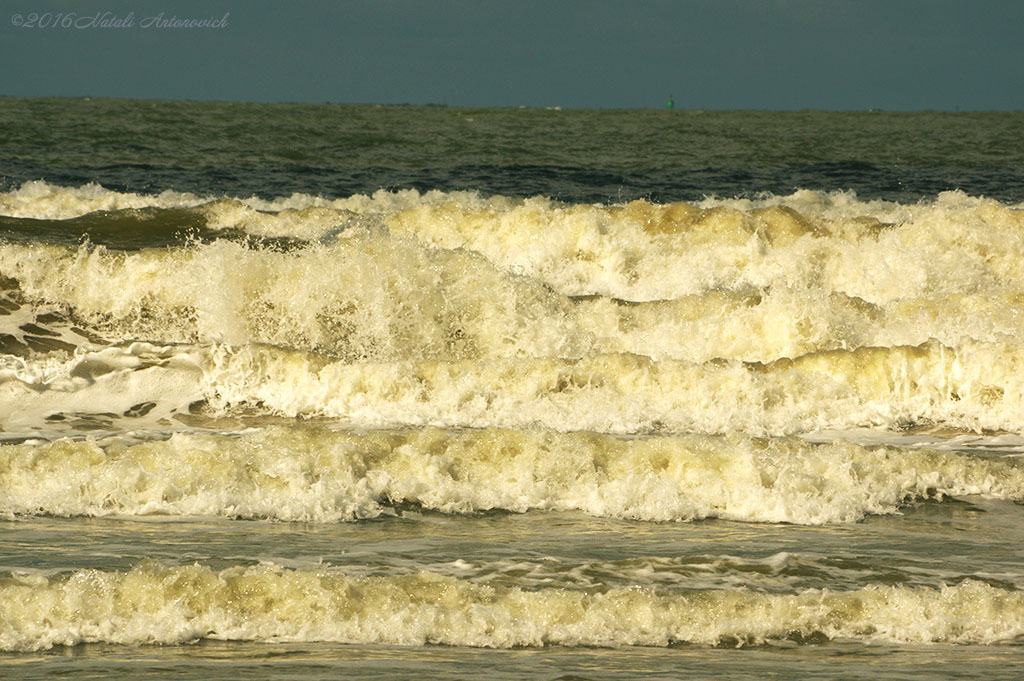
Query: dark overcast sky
column 709, row 54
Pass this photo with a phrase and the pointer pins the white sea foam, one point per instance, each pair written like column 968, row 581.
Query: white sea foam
column 312, row 474
column 156, row 605
column 972, row 388
column 41, row 200
column 877, row 251
column 144, row 382
column 644, row 251
column 375, row 295
column 787, row 315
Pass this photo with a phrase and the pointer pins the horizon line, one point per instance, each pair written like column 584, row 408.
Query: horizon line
column 535, row 107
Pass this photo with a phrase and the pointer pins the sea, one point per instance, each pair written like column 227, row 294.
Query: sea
column 308, row 391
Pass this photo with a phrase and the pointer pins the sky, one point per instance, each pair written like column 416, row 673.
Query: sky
column 706, row 54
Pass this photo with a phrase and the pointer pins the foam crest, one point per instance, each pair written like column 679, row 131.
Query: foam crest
column 974, row 387
column 645, row 251
column 40, row 200
column 970, row 388
column 310, row 474
column 838, row 205
column 877, row 251
column 368, row 296
column 375, row 296
column 156, row 605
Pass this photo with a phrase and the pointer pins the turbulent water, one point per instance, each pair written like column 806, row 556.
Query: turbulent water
column 302, row 390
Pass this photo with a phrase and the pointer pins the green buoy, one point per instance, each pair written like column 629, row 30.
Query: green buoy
column 671, row 103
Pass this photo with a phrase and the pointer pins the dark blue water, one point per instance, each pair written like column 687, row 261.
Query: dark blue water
column 334, row 151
